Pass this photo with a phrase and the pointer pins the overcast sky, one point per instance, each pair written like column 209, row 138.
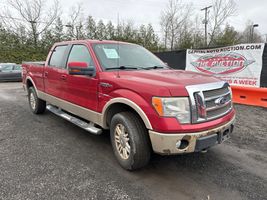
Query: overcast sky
column 148, row 11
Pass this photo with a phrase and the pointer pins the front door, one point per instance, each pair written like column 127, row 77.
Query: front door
column 81, row 89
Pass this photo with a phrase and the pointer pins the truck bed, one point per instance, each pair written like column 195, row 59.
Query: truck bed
column 35, row 70
column 35, row 63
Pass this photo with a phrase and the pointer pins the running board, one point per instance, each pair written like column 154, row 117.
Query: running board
column 84, row 125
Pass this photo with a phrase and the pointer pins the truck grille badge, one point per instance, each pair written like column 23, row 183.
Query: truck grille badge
column 220, row 101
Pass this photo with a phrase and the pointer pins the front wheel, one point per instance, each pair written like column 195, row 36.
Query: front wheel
column 130, row 142
column 37, row 105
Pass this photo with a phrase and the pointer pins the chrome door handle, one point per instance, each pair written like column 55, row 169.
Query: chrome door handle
column 45, row 74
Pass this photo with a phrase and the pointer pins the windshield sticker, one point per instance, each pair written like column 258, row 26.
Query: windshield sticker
column 111, row 53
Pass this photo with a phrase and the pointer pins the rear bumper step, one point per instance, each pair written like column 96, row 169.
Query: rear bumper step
column 88, row 126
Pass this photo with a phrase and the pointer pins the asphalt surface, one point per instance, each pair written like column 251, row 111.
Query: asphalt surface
column 46, row 157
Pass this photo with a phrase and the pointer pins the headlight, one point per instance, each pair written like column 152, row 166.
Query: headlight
column 173, row 107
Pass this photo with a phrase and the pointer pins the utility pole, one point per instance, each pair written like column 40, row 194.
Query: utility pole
column 206, row 23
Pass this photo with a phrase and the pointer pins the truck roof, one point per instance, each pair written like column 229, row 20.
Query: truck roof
column 91, row 42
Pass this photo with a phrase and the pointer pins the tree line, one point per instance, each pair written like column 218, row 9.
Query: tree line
column 182, row 28
column 28, row 29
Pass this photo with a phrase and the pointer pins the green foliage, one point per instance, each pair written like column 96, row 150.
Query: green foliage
column 90, row 28
column 18, row 48
column 110, row 31
column 57, row 32
column 100, row 30
column 228, row 37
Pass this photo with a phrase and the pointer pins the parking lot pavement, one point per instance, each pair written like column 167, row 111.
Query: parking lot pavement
column 45, row 157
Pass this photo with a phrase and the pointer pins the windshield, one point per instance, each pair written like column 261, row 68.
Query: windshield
column 126, row 56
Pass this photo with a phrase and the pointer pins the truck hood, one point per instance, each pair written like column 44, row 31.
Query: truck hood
column 167, row 77
column 159, row 82
column 174, row 80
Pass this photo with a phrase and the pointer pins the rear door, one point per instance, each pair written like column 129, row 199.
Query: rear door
column 55, row 72
column 81, row 89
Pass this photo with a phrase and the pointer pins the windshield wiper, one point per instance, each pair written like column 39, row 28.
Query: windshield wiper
column 154, row 67
column 122, row 67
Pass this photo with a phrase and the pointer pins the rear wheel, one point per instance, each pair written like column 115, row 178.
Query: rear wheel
column 129, row 140
column 37, row 105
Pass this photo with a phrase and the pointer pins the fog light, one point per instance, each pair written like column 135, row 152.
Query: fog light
column 178, row 144
column 184, row 144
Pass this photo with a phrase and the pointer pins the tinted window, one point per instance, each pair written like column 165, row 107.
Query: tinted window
column 57, row 56
column 7, row 68
column 80, row 53
column 17, row 67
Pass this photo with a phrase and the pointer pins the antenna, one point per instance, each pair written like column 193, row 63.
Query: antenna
column 118, row 46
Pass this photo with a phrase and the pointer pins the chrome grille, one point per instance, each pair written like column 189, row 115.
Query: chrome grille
column 218, row 112
column 216, row 92
column 209, row 101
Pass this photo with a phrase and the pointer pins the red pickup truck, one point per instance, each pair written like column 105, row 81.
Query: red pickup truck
column 126, row 89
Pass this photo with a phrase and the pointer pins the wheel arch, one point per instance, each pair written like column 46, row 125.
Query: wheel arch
column 30, row 83
column 117, row 105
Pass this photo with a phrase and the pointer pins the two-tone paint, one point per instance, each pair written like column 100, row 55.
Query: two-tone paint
column 92, row 97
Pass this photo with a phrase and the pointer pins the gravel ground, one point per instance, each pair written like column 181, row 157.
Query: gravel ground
column 45, row 157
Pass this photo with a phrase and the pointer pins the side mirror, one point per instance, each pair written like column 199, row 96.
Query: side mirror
column 80, row 68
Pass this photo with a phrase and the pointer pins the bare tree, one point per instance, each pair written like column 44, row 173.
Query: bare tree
column 35, row 15
column 247, row 34
column 164, row 22
column 173, row 19
column 222, row 10
column 76, row 24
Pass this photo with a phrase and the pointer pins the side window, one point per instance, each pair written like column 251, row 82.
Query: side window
column 80, row 53
column 17, row 67
column 57, row 56
column 7, row 68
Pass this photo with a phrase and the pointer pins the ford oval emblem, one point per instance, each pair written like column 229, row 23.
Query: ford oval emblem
column 220, row 101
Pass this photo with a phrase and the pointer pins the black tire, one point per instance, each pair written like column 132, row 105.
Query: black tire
column 40, row 105
column 140, row 148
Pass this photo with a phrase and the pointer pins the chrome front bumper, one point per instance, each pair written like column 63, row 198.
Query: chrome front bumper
column 180, row 143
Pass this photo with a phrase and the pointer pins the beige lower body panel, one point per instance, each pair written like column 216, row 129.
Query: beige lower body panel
column 72, row 108
column 165, row 144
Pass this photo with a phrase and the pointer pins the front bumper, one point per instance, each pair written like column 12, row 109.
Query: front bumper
column 179, row 143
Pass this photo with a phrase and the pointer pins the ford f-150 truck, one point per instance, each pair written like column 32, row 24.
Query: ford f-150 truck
column 124, row 88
